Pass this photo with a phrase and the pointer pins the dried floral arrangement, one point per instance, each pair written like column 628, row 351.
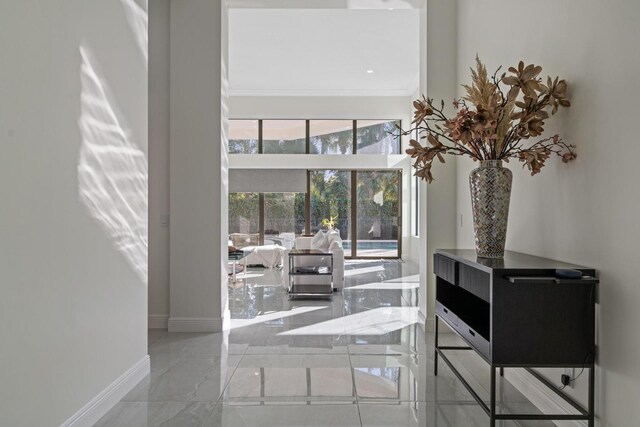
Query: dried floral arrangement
column 492, row 123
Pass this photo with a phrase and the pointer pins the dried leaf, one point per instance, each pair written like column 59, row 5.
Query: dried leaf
column 511, row 81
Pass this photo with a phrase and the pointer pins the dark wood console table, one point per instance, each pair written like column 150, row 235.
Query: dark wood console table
column 515, row 314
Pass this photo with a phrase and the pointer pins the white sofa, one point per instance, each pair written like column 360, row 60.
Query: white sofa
column 269, row 256
column 338, row 261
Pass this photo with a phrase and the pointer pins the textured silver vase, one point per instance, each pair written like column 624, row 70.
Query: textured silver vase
column 490, row 195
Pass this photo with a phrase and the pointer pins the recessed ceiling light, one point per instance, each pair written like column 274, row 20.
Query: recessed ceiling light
column 369, row 71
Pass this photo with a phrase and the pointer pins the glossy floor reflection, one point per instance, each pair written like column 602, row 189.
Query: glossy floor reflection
column 357, row 360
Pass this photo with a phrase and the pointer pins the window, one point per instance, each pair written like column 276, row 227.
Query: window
column 314, row 137
column 377, row 137
column 416, row 197
column 244, row 219
column 284, row 136
column 331, row 136
column 283, row 218
column 243, row 136
column 416, row 206
column 265, row 218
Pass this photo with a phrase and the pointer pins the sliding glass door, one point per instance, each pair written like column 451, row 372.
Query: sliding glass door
column 377, row 214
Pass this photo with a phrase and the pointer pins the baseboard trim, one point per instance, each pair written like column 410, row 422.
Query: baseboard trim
column 90, row 413
column 158, row 321
column 539, row 395
column 195, row 324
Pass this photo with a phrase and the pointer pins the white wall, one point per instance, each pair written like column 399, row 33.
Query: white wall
column 440, row 205
column 198, row 166
column 585, row 212
column 321, row 107
column 159, row 118
column 73, row 131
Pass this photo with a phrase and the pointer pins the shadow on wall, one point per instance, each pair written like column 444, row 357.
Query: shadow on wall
column 138, row 20
column 112, row 170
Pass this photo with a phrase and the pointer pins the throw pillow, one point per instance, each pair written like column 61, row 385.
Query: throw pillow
column 318, row 241
column 333, row 235
column 336, row 244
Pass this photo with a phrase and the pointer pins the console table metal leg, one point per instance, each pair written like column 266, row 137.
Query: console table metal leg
column 492, row 407
column 501, row 386
column 435, row 358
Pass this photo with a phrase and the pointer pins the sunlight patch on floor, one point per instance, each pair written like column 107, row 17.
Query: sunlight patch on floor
column 378, row 321
column 363, row 270
column 275, row 315
column 384, row 286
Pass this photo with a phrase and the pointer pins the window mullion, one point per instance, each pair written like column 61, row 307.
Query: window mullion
column 355, row 135
column 260, row 136
column 354, row 212
column 307, row 138
column 307, row 205
column 261, row 217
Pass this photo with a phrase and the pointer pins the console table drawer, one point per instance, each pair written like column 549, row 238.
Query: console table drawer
column 445, row 268
column 475, row 339
column 475, row 281
column 446, row 314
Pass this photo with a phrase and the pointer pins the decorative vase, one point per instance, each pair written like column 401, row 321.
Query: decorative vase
column 490, row 194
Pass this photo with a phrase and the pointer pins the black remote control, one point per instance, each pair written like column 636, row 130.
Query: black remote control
column 568, row 274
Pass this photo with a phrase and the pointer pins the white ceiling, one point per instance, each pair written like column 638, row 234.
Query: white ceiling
column 323, row 52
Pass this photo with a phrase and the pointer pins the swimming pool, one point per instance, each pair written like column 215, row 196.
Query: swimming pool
column 372, row 244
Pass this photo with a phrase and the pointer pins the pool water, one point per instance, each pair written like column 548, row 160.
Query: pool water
column 372, row 244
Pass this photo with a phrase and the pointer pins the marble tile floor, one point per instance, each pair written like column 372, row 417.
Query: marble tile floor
column 359, row 359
